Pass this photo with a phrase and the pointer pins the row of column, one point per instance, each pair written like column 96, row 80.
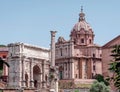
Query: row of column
column 69, row 70
column 41, row 75
column 84, row 69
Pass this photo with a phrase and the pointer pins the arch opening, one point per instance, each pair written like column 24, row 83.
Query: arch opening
column 36, row 76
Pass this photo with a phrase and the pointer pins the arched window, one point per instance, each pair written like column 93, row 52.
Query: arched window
column 90, row 41
column 82, row 40
column 93, row 54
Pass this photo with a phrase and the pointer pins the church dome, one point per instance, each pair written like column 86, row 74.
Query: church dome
column 82, row 33
column 82, row 24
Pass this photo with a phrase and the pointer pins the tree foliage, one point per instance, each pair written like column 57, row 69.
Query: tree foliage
column 99, row 87
column 115, row 66
column 100, row 78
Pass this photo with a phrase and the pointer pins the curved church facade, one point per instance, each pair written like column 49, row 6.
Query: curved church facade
column 79, row 58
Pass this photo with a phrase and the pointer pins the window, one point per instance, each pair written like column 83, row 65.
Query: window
column 93, row 76
column 74, row 41
column 61, row 51
column 82, row 40
column 93, row 55
column 94, row 67
column 61, row 77
column 90, row 41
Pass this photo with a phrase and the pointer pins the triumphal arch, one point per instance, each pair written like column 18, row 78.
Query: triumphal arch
column 29, row 66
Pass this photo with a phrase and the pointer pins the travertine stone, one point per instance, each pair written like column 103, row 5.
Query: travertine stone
column 26, row 62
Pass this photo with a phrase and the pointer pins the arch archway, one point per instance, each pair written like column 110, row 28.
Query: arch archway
column 36, row 76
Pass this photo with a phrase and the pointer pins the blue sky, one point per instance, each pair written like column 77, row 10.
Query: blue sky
column 30, row 21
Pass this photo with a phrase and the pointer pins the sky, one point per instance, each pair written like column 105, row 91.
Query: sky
column 30, row 21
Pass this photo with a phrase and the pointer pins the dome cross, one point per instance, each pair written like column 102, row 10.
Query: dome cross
column 81, row 15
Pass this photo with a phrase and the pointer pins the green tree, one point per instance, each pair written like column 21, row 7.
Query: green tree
column 100, row 78
column 99, row 87
column 76, row 90
column 115, row 66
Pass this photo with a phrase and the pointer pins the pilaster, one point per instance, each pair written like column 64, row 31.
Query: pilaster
column 72, row 69
column 43, row 74
column 23, row 71
column 31, row 73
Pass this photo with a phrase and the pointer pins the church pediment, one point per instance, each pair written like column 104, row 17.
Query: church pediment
column 61, row 40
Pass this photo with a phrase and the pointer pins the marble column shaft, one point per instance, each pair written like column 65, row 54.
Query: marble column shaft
column 23, row 71
column 53, row 48
column 31, row 74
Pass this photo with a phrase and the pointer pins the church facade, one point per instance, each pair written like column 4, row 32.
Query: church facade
column 79, row 58
column 29, row 66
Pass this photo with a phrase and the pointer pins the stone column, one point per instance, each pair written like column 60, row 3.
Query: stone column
column 73, row 75
column 43, row 74
column 70, row 73
column 53, row 48
column 54, row 82
column 83, row 69
column 23, row 71
column 71, row 48
column 68, row 70
column 63, row 70
column 41, row 77
column 31, row 74
column 72, row 69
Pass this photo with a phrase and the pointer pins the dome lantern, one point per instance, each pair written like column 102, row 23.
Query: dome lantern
column 81, row 15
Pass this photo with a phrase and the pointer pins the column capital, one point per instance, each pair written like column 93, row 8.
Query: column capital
column 53, row 33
